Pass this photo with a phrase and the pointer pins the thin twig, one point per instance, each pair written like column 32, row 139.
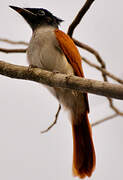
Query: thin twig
column 114, row 108
column 89, row 49
column 112, row 76
column 55, row 121
column 12, row 50
column 104, row 120
column 79, row 17
column 14, row 42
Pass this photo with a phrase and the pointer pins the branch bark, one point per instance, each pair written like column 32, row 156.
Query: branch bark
column 61, row 80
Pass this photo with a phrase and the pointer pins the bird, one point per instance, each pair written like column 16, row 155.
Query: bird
column 53, row 50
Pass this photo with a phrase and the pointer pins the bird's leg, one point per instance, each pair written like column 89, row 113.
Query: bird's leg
column 30, row 67
column 33, row 66
column 54, row 122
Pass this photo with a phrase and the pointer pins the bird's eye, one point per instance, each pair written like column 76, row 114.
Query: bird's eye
column 41, row 13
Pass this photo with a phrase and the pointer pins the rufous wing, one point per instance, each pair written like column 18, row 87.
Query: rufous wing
column 70, row 51
column 73, row 56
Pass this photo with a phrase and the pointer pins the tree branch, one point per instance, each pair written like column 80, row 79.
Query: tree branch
column 54, row 122
column 104, row 71
column 61, row 80
column 14, row 42
column 89, row 49
column 79, row 17
column 12, row 50
column 104, row 120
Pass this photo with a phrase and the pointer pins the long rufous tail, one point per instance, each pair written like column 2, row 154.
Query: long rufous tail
column 84, row 159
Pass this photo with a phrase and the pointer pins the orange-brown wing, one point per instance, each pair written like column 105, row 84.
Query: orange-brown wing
column 70, row 51
column 72, row 54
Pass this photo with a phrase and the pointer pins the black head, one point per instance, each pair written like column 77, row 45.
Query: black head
column 38, row 17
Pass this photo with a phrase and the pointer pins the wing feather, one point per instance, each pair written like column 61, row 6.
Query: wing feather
column 72, row 54
column 70, row 51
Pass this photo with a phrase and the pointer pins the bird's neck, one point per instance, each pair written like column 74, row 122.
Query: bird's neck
column 44, row 28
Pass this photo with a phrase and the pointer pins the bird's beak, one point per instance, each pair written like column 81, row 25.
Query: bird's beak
column 26, row 14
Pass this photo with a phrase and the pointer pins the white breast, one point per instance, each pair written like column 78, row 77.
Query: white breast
column 44, row 52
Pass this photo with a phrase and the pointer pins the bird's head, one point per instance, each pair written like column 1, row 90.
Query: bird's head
column 37, row 17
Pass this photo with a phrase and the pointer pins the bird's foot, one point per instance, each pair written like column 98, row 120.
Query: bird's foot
column 31, row 67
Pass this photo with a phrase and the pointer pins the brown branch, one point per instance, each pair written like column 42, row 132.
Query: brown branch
column 61, row 80
column 12, row 50
column 104, row 71
column 91, row 50
column 104, row 120
column 14, row 42
column 79, row 17
column 114, row 108
column 54, row 122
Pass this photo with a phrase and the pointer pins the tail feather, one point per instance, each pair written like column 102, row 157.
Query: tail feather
column 84, row 159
